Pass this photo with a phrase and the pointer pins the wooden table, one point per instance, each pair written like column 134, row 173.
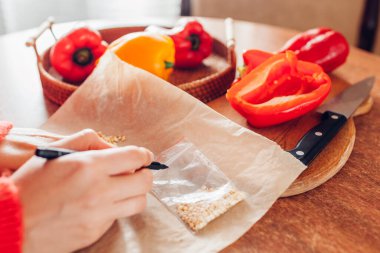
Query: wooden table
column 342, row 215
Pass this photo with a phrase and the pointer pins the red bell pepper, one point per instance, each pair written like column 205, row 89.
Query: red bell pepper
column 280, row 89
column 74, row 56
column 322, row 46
column 192, row 44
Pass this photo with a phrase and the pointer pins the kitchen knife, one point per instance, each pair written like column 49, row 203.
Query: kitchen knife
column 334, row 115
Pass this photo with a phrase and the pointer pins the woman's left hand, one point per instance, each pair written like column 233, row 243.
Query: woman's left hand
column 20, row 144
column 16, row 149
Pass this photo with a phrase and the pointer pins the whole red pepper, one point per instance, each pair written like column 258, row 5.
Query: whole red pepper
column 280, row 89
column 192, row 44
column 74, row 56
column 323, row 46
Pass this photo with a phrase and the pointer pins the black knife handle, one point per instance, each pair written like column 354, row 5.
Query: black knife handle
column 313, row 142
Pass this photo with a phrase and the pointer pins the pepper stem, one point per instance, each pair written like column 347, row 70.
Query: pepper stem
column 169, row 64
column 195, row 41
column 83, row 56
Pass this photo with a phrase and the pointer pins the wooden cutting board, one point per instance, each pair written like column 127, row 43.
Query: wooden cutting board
column 287, row 135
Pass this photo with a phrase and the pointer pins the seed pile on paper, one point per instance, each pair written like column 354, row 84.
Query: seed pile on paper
column 198, row 214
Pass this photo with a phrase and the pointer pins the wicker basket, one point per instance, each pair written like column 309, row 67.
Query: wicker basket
column 207, row 82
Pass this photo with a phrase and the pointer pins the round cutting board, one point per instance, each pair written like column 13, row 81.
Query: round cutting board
column 287, row 135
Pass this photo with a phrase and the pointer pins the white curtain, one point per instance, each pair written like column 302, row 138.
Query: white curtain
column 18, row 15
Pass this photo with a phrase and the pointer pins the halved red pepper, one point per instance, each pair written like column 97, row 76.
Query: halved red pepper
column 322, row 46
column 280, row 89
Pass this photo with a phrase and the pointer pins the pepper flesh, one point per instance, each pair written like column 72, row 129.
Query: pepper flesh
column 74, row 56
column 322, row 46
column 192, row 44
column 253, row 58
column 280, row 89
column 150, row 51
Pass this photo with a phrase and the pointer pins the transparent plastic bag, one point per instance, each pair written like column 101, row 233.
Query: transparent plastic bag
column 193, row 188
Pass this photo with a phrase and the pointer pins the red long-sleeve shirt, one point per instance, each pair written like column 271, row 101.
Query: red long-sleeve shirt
column 10, row 209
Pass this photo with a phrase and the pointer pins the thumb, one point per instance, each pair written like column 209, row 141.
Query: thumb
column 86, row 139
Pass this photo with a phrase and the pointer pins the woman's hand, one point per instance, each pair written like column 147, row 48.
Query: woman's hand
column 69, row 202
column 20, row 144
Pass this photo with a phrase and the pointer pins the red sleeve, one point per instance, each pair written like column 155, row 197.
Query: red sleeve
column 5, row 127
column 11, row 228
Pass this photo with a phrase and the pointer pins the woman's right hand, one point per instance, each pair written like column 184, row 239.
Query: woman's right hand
column 69, row 202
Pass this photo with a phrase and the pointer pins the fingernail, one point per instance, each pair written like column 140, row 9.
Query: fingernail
column 149, row 153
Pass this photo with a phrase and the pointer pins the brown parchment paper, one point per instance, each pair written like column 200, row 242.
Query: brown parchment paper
column 119, row 99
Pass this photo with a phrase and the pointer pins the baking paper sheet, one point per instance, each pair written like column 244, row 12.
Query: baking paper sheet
column 119, row 99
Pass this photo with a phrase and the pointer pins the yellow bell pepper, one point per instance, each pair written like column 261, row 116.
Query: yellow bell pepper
column 150, row 51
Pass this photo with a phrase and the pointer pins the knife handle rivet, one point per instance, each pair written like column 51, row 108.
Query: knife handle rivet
column 318, row 133
column 299, row 152
column 334, row 116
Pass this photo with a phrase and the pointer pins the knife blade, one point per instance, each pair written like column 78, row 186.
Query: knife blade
column 334, row 115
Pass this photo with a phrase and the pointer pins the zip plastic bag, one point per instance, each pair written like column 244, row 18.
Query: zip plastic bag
column 193, row 188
